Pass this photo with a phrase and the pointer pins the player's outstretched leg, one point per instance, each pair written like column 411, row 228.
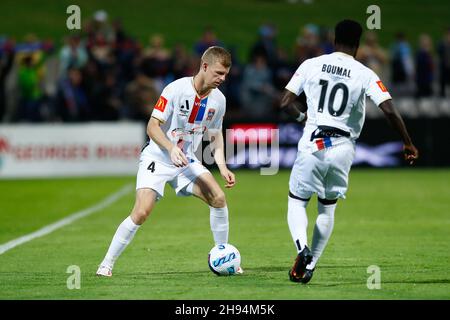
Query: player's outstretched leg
column 322, row 232
column 298, row 220
column 207, row 189
column 145, row 200
column 298, row 223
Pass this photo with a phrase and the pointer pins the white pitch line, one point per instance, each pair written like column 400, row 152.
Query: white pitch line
column 68, row 220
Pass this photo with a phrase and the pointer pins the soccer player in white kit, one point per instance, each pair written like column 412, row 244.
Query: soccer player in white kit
column 336, row 86
column 187, row 109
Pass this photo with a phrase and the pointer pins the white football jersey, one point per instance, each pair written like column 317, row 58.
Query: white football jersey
column 336, row 86
column 186, row 117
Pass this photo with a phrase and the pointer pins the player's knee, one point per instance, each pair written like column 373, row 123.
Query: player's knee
column 218, row 200
column 140, row 215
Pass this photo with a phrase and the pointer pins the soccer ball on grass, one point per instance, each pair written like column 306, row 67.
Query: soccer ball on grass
column 224, row 259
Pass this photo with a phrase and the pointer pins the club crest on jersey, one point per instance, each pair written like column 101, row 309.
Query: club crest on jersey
column 211, row 113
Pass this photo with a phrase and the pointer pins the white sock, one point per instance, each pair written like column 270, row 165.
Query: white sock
column 298, row 222
column 322, row 231
column 123, row 236
column 218, row 218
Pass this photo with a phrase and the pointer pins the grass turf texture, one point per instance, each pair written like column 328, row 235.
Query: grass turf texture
column 236, row 22
column 395, row 219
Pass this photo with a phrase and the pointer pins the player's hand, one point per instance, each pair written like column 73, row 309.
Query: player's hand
column 178, row 157
column 228, row 176
column 410, row 153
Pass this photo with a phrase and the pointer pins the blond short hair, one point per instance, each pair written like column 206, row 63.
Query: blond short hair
column 217, row 54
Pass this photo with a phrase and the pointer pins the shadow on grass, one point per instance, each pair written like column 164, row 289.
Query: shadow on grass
column 352, row 283
column 250, row 270
column 261, row 271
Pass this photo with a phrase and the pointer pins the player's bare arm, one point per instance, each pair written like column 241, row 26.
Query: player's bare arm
column 410, row 151
column 292, row 106
column 156, row 134
column 216, row 138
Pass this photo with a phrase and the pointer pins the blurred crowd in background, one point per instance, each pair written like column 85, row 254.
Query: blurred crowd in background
column 104, row 74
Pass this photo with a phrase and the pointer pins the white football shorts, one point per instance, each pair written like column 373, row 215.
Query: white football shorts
column 154, row 174
column 323, row 172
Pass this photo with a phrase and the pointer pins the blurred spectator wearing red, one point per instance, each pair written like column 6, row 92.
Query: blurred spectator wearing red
column 156, row 61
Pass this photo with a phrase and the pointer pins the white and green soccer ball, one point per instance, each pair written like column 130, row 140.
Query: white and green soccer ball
column 224, row 259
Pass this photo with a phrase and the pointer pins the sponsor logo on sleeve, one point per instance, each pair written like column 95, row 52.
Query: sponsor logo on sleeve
column 381, row 85
column 161, row 104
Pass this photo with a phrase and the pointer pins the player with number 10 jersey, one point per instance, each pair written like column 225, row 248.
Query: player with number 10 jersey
column 336, row 87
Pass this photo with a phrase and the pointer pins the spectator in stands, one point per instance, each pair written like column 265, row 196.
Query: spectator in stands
column 207, row 40
column 71, row 102
column 73, row 53
column 140, row 97
column 326, row 40
column 101, row 51
column 232, row 87
column 106, row 101
column 6, row 62
column 180, row 62
column 257, row 91
column 402, row 65
column 30, row 75
column 307, row 44
column 283, row 71
column 126, row 51
column 424, row 67
column 31, row 57
column 266, row 46
column 92, row 78
column 444, row 63
column 101, row 41
column 156, row 60
column 116, row 70
column 99, row 25
column 372, row 54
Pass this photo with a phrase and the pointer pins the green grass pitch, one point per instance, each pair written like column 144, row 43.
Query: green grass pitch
column 184, row 20
column 397, row 220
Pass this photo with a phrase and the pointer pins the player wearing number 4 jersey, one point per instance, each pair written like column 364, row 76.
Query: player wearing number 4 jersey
column 336, row 86
column 188, row 109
